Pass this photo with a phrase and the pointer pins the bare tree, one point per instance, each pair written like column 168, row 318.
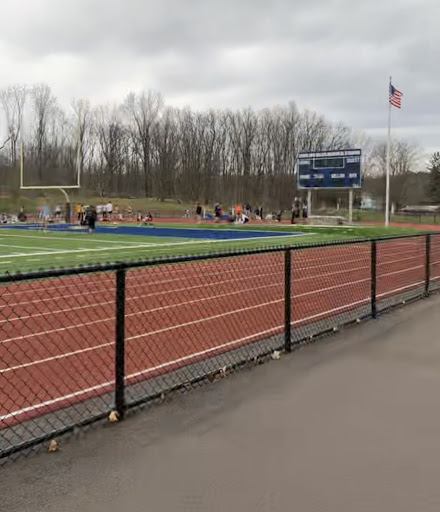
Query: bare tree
column 143, row 110
column 82, row 134
column 404, row 158
column 404, row 162
column 44, row 106
column 166, row 156
column 227, row 156
column 13, row 101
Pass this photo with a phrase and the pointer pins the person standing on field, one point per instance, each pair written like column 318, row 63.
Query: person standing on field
column 198, row 212
column 91, row 219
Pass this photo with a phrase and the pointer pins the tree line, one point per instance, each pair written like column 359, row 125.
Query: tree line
column 144, row 147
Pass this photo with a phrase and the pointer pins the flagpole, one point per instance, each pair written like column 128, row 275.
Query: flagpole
column 387, row 193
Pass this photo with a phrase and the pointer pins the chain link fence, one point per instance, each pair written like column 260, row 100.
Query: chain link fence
column 77, row 344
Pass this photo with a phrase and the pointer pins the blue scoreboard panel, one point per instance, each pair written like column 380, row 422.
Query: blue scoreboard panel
column 329, row 169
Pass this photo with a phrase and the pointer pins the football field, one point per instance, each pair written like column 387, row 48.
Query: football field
column 32, row 249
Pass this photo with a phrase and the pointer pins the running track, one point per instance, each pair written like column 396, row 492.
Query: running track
column 57, row 336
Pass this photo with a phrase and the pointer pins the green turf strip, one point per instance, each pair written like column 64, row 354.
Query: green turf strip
column 31, row 250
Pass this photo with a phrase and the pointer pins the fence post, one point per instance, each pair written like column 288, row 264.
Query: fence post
column 120, row 344
column 373, row 278
column 427, row 263
column 287, row 300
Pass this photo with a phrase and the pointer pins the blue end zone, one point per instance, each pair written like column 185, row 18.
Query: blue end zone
column 163, row 232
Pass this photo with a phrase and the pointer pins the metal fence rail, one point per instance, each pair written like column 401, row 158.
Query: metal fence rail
column 76, row 344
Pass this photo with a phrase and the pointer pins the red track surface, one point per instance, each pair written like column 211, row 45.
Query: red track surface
column 57, row 336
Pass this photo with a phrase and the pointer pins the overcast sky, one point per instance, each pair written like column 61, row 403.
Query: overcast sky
column 332, row 56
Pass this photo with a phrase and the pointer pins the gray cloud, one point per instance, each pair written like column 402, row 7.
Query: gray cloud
column 332, row 56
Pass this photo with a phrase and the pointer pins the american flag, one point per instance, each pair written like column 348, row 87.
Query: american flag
column 395, row 97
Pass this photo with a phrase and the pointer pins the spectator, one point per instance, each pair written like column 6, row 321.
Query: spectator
column 217, row 212
column 91, row 219
column 296, row 206
column 22, row 216
column 305, row 210
column 198, row 213
column 148, row 219
column 82, row 218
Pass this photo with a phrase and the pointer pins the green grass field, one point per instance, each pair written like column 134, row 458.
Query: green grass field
column 24, row 249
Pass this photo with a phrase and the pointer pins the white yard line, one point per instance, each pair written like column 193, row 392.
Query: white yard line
column 33, row 247
column 163, row 246
column 99, row 239
column 76, row 251
column 72, row 238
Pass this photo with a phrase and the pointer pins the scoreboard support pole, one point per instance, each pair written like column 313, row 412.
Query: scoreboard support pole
column 350, row 206
column 309, row 202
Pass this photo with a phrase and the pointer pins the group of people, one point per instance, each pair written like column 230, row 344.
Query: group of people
column 246, row 211
column 104, row 211
column 243, row 213
column 45, row 214
column 87, row 216
column 144, row 219
column 238, row 213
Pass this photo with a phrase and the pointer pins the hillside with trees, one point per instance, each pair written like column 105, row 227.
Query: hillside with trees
column 143, row 147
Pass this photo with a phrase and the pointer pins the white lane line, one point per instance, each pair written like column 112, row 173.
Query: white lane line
column 145, row 335
column 161, row 308
column 151, row 333
column 188, row 357
column 142, row 280
column 137, row 297
column 107, row 319
column 55, row 358
column 178, row 290
column 134, row 375
column 153, row 310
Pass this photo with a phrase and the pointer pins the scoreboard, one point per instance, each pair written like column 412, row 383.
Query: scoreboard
column 329, row 169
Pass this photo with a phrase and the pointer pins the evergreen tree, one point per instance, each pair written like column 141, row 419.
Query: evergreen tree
column 434, row 177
